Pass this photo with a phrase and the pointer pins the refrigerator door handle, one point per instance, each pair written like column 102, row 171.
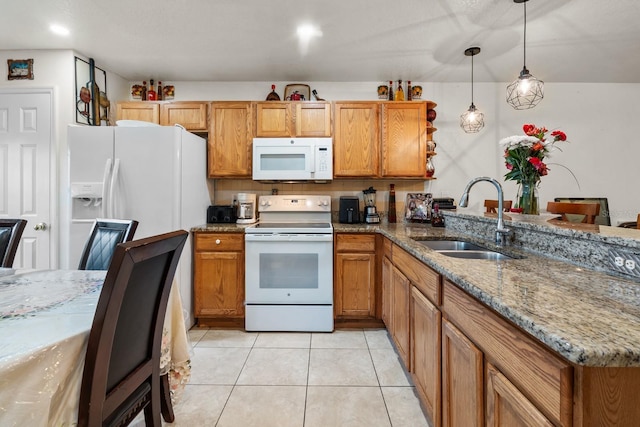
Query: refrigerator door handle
column 112, row 189
column 105, row 185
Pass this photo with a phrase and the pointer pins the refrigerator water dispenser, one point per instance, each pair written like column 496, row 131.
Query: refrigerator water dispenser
column 86, row 200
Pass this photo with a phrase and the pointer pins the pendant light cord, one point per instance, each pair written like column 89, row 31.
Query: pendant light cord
column 525, row 34
column 472, row 79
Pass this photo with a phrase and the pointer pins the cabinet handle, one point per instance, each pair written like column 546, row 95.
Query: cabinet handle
column 217, row 241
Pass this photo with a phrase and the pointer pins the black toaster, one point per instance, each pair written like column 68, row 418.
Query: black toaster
column 349, row 212
column 221, row 214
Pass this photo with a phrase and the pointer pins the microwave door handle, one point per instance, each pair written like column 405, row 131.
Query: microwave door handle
column 312, row 158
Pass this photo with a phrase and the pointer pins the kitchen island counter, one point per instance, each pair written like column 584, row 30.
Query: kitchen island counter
column 589, row 317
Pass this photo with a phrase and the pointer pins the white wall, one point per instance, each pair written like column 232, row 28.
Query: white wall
column 597, row 118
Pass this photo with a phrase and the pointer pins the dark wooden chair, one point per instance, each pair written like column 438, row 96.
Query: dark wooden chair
column 588, row 210
column 10, row 233
column 105, row 235
column 121, row 375
column 492, row 205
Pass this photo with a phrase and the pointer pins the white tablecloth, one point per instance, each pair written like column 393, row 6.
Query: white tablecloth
column 45, row 318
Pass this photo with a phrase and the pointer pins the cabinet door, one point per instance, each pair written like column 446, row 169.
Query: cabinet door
column 400, row 295
column 426, row 342
column 138, row 110
column 387, row 270
column 462, row 385
column 355, row 285
column 356, row 140
column 404, row 138
column 312, row 119
column 218, row 284
column 274, row 119
column 230, row 140
column 191, row 115
column 507, row 406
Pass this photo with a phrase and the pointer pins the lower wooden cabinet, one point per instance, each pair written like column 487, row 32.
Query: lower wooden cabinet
column 400, row 320
column 355, row 276
column 462, row 385
column 507, row 406
column 218, row 277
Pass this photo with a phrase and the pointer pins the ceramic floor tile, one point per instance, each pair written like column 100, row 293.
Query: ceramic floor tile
column 404, row 407
column 388, row 368
column 264, row 406
column 341, row 367
column 217, row 365
column 227, row 338
column 196, row 335
column 345, row 407
column 283, row 340
column 200, row 405
column 339, row 339
column 275, row 366
column 378, row 339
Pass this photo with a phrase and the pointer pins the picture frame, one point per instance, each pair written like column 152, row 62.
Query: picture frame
column 302, row 89
column 20, row 69
column 92, row 103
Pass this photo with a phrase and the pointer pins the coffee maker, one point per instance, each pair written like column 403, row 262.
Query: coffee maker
column 370, row 212
column 246, row 208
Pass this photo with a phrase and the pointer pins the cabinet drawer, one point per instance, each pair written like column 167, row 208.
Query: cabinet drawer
column 219, row 242
column 422, row 277
column 355, row 242
column 542, row 377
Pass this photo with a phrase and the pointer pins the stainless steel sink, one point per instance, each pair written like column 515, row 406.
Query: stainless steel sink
column 473, row 254
column 450, row 245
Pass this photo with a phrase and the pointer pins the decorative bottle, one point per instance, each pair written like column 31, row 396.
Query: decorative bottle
column 315, row 95
column 409, row 96
column 390, row 90
column 437, row 220
column 431, row 170
column 273, row 96
column 159, row 94
column 399, row 92
column 392, row 203
column 151, row 95
column 143, row 94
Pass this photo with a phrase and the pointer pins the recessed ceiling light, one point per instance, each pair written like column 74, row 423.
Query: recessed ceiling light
column 306, row 31
column 59, row 30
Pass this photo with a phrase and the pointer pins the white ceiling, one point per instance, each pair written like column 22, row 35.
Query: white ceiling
column 363, row 40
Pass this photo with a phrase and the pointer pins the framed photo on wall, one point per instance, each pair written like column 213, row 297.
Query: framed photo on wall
column 92, row 103
column 20, row 69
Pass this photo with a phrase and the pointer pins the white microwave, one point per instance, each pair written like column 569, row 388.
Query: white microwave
column 292, row 159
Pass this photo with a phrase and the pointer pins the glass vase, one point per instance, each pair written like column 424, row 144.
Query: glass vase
column 528, row 198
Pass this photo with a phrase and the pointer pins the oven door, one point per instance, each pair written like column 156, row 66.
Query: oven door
column 289, row 268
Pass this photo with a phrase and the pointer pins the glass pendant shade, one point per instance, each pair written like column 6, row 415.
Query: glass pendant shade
column 526, row 91
column 472, row 120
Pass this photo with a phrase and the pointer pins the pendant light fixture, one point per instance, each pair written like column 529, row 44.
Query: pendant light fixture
column 526, row 91
column 472, row 120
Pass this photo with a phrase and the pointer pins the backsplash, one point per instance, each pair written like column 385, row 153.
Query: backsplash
column 225, row 190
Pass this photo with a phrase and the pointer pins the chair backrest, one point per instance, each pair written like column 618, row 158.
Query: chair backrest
column 602, row 218
column 10, row 233
column 589, row 210
column 492, row 205
column 105, row 235
column 638, row 222
column 122, row 365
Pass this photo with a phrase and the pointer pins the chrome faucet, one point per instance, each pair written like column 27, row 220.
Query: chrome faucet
column 501, row 231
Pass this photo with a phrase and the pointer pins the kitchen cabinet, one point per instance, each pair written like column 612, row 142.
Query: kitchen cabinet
column 230, row 139
column 190, row 114
column 355, row 276
column 404, row 139
column 386, row 270
column 462, row 385
column 400, row 299
column 293, row 118
column 218, row 278
column 356, row 139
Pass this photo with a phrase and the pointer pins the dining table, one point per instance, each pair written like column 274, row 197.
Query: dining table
column 45, row 320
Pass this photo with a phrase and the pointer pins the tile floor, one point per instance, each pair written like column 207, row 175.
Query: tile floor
column 346, row 378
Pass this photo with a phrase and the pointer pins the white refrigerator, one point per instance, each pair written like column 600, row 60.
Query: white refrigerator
column 155, row 175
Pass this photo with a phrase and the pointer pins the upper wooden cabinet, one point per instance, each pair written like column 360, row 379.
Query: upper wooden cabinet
column 190, row 114
column 356, row 147
column 137, row 110
column 404, row 139
column 230, row 139
column 293, row 118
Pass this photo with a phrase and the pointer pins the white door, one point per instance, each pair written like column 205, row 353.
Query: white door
column 25, row 145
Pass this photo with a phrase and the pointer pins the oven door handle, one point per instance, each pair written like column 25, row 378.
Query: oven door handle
column 267, row 237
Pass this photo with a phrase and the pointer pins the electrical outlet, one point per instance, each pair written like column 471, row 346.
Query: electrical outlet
column 624, row 261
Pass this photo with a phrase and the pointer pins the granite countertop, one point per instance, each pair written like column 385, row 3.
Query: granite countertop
column 589, row 317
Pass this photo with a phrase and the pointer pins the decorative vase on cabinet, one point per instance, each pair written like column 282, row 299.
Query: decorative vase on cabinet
column 528, row 198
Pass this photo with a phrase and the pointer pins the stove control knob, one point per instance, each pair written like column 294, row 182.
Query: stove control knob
column 323, row 203
column 265, row 203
